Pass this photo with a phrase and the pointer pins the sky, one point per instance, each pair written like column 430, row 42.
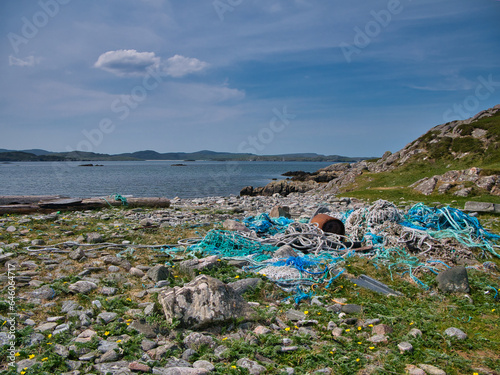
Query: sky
column 353, row 78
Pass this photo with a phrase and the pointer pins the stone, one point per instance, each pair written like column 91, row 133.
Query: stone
column 136, row 272
column 85, row 336
column 453, row 280
column 204, row 301
column 25, row 363
column 455, row 332
column 244, row 285
column 77, row 254
column 180, row 371
column 427, row 185
column 61, row 328
column 94, row 237
column 110, row 356
column 196, row 340
column 415, row 332
column 280, row 211
column 113, row 368
column 117, row 261
column 158, row 273
column 11, row 229
column 82, row 286
column 253, row 367
column 378, row 339
column 295, row 315
column 405, row 347
column 106, row 345
column 107, row 317
column 234, row 225
column 149, row 331
column 443, row 188
column 46, row 327
column 139, row 367
column 285, row 252
column 61, row 350
column 261, row 330
column 414, row 370
column 431, row 370
column 188, row 354
column 337, row 331
column 70, row 305
column 381, row 329
column 204, row 365
column 148, row 345
column 108, row 291
column 113, row 269
column 351, row 308
column 44, row 292
column 465, row 192
column 199, row 264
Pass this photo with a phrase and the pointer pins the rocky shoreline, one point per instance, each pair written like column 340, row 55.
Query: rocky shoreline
column 116, row 291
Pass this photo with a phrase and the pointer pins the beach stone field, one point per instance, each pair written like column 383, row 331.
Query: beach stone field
column 198, row 288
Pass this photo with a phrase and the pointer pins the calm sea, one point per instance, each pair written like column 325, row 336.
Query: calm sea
column 142, row 178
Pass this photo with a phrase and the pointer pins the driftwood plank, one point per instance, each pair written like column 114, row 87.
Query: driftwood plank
column 27, row 199
column 75, row 204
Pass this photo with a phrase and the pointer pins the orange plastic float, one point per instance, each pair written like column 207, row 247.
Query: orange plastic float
column 329, row 224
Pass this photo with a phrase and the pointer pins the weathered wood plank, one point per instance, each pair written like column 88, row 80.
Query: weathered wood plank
column 27, row 199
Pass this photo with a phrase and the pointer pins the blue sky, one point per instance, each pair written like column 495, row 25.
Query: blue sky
column 352, row 78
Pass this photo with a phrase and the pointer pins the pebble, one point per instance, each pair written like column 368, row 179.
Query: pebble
column 455, row 332
column 405, row 347
column 431, row 370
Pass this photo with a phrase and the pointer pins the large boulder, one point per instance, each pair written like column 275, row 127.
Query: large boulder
column 205, row 301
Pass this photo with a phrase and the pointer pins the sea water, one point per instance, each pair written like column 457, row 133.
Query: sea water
column 143, row 178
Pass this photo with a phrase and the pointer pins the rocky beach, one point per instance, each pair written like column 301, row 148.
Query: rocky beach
column 142, row 290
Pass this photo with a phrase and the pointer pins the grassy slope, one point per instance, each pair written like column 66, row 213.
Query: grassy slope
column 437, row 159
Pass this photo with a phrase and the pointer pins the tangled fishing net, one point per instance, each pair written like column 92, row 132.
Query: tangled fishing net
column 297, row 256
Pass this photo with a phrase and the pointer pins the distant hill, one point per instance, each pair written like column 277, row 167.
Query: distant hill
column 42, row 155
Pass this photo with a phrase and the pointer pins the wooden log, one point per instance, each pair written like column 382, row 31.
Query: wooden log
column 27, row 199
column 70, row 204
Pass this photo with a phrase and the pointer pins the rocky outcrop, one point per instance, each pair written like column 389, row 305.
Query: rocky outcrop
column 283, row 187
column 454, row 182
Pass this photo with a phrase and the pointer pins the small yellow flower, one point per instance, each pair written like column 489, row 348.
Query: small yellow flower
column 371, row 347
column 225, row 338
column 128, row 299
column 218, row 260
column 296, row 327
column 306, row 312
column 359, row 342
column 236, row 277
column 128, row 324
column 493, row 310
column 331, row 352
column 264, row 275
column 411, row 323
column 44, row 359
column 370, row 325
column 65, row 282
column 287, row 329
column 106, row 333
column 4, row 323
column 319, row 313
column 31, row 356
column 233, row 366
column 50, row 335
column 476, row 373
column 118, row 341
column 23, row 372
column 357, row 359
column 49, row 343
column 359, row 328
column 348, row 330
column 17, row 354
column 356, row 285
column 176, row 276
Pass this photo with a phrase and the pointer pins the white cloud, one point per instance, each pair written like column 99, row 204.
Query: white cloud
column 127, row 62
column 28, row 61
column 179, row 66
